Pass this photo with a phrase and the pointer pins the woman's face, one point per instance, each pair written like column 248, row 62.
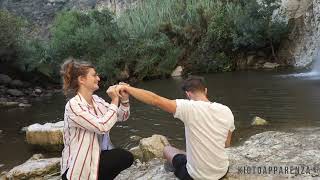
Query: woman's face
column 91, row 80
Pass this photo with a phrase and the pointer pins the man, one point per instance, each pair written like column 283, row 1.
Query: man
column 208, row 130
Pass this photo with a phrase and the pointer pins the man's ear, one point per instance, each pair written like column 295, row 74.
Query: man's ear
column 188, row 94
column 206, row 91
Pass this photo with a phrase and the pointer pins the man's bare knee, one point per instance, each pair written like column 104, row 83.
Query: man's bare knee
column 169, row 152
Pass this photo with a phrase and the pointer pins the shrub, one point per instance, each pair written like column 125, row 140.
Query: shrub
column 10, row 36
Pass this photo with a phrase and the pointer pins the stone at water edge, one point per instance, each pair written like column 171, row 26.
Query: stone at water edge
column 48, row 136
column 269, row 65
column 35, row 168
column 177, row 72
column 257, row 121
column 9, row 104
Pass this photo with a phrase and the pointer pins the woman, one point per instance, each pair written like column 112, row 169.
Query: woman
column 88, row 152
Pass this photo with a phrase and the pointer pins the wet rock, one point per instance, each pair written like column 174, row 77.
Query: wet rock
column 48, row 136
column 35, row 168
column 177, row 72
column 24, row 105
column 257, row 121
column 9, row 104
column 15, row 92
column 37, row 91
column 5, row 79
column 16, row 84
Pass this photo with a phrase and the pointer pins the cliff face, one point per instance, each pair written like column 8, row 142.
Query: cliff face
column 302, row 44
column 40, row 13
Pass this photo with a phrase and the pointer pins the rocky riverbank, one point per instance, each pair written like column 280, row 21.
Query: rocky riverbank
column 17, row 93
column 268, row 155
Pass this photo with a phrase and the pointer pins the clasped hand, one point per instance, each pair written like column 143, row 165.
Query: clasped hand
column 118, row 91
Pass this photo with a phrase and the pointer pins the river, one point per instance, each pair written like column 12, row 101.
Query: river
column 286, row 101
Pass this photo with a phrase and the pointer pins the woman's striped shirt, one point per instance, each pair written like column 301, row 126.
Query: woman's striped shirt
column 86, row 133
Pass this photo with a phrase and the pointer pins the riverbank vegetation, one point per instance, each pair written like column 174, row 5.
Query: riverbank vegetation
column 150, row 39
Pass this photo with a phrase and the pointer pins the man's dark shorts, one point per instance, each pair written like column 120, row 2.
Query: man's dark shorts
column 179, row 162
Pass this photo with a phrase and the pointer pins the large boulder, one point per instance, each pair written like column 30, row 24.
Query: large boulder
column 35, row 168
column 153, row 169
column 272, row 151
column 150, row 148
column 266, row 152
column 48, row 136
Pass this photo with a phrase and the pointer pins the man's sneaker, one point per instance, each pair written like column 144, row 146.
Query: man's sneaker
column 168, row 167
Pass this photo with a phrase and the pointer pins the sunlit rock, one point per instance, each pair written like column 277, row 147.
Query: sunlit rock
column 47, row 135
column 35, row 168
column 177, row 72
column 257, row 121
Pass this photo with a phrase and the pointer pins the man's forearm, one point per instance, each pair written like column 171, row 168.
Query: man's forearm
column 145, row 96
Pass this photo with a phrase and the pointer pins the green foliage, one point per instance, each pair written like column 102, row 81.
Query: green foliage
column 10, row 36
column 255, row 25
column 152, row 38
column 83, row 35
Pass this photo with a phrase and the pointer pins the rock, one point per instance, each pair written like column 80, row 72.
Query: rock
column 301, row 46
column 37, row 91
column 269, row 65
column 15, row 92
column 177, row 72
column 9, row 104
column 35, row 168
column 251, row 60
column 5, row 79
column 16, row 84
column 1, row 131
column 277, row 149
column 137, row 153
column 48, row 136
column 151, row 170
column 257, row 121
column 152, row 147
column 24, row 105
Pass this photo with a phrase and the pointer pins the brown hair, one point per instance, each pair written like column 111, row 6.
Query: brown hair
column 194, row 84
column 71, row 69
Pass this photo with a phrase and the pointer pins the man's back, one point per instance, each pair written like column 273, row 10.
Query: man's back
column 206, row 127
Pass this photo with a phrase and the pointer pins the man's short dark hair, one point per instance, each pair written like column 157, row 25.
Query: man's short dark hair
column 194, row 84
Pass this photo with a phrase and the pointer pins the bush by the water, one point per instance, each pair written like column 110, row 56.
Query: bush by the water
column 153, row 37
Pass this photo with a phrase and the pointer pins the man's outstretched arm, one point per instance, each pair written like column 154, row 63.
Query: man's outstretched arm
column 150, row 98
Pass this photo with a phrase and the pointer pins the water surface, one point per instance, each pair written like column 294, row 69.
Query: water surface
column 286, row 100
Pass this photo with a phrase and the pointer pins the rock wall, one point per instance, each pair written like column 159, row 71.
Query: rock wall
column 302, row 44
